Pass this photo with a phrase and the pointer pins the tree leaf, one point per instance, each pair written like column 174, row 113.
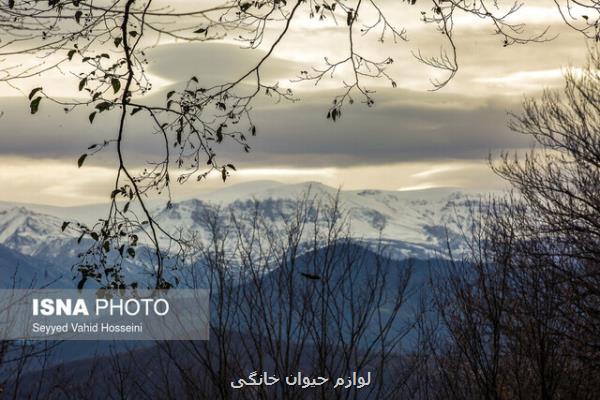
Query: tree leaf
column 131, row 252
column 116, row 84
column 220, row 134
column 33, row 92
column 81, row 160
column 35, row 105
column 82, row 84
column 91, row 117
column 105, row 105
column 64, row 226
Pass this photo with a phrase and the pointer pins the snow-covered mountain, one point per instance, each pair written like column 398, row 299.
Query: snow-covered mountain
column 33, row 249
column 37, row 235
column 415, row 223
column 27, row 231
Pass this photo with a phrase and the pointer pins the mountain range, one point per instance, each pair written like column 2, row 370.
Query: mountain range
column 418, row 224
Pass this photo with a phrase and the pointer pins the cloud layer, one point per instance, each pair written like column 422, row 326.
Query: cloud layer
column 424, row 138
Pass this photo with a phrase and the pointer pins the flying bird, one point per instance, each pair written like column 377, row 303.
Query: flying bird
column 310, row 276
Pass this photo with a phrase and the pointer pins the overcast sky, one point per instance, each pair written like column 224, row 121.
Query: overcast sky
column 412, row 139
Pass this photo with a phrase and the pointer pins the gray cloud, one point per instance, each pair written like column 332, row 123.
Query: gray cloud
column 402, row 126
column 424, row 128
column 212, row 63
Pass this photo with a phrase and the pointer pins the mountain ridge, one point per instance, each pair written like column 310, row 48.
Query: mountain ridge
column 409, row 223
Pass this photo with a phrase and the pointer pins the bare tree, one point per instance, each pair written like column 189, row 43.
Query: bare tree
column 518, row 315
column 559, row 183
column 19, row 357
column 499, row 331
column 303, row 297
